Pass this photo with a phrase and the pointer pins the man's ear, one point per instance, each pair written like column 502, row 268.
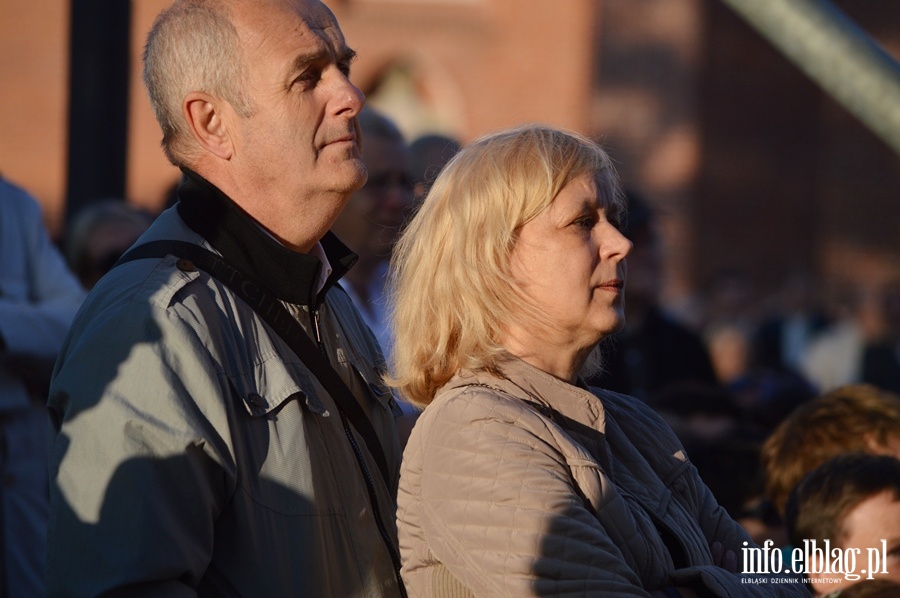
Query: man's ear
column 205, row 117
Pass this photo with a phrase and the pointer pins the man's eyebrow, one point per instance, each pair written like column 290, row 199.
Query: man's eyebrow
column 302, row 61
column 307, row 58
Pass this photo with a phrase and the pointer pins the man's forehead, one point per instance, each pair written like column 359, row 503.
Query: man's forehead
column 266, row 17
column 314, row 13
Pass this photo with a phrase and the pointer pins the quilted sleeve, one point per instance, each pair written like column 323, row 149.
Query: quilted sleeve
column 658, row 442
column 718, row 526
column 499, row 509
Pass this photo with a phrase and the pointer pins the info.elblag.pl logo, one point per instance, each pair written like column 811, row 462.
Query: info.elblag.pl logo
column 813, row 561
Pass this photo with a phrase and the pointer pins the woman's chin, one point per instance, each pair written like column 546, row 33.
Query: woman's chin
column 612, row 327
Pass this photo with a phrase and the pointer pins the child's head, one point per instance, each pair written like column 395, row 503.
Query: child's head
column 853, row 501
column 853, row 418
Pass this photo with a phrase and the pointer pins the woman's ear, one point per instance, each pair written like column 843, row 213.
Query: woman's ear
column 206, row 118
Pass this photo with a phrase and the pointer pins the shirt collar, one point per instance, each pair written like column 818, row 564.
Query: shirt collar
column 325, row 270
column 291, row 276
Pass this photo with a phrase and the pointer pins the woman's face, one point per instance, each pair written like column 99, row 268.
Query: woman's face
column 570, row 262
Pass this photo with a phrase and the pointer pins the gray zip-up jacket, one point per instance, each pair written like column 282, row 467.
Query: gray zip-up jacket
column 524, row 485
column 196, row 454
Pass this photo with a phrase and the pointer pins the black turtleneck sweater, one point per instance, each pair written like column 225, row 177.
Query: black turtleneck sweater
column 289, row 275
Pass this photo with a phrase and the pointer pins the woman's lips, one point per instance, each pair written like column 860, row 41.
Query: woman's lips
column 615, row 285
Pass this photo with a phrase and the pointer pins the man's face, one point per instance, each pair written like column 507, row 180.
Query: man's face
column 371, row 221
column 302, row 138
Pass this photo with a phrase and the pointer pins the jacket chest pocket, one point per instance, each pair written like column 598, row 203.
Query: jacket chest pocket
column 276, row 437
column 370, row 378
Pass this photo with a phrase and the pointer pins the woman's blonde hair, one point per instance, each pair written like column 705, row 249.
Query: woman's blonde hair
column 451, row 289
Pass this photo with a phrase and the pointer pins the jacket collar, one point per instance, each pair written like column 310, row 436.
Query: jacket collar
column 289, row 275
column 523, row 380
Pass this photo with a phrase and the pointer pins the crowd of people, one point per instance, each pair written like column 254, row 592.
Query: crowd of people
column 345, row 364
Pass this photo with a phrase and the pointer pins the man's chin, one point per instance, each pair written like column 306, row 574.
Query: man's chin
column 356, row 176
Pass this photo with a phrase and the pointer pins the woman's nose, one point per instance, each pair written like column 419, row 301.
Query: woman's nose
column 617, row 245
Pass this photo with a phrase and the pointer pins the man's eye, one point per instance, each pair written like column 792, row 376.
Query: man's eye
column 307, row 78
column 345, row 68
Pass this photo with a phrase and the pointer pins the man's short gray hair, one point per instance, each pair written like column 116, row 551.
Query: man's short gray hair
column 193, row 46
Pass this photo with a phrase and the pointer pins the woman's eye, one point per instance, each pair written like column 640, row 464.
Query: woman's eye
column 586, row 222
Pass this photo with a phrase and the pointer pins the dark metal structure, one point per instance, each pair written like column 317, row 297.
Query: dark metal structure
column 98, row 100
column 832, row 50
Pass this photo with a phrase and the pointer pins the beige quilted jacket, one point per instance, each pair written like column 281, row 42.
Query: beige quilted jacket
column 527, row 486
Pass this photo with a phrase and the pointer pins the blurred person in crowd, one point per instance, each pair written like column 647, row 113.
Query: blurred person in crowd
column 428, row 155
column 852, row 349
column 758, row 368
column 653, row 351
column 765, row 394
column 852, row 418
column 371, row 220
column 850, row 503
column 370, row 224
column 519, row 479
column 99, row 234
column 783, row 338
column 730, row 300
column 729, row 351
column 881, row 356
column 38, row 299
column 222, row 429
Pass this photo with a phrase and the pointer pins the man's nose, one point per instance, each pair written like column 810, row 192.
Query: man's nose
column 350, row 98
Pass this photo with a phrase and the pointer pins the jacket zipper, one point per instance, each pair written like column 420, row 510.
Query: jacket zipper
column 314, row 316
column 364, row 468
